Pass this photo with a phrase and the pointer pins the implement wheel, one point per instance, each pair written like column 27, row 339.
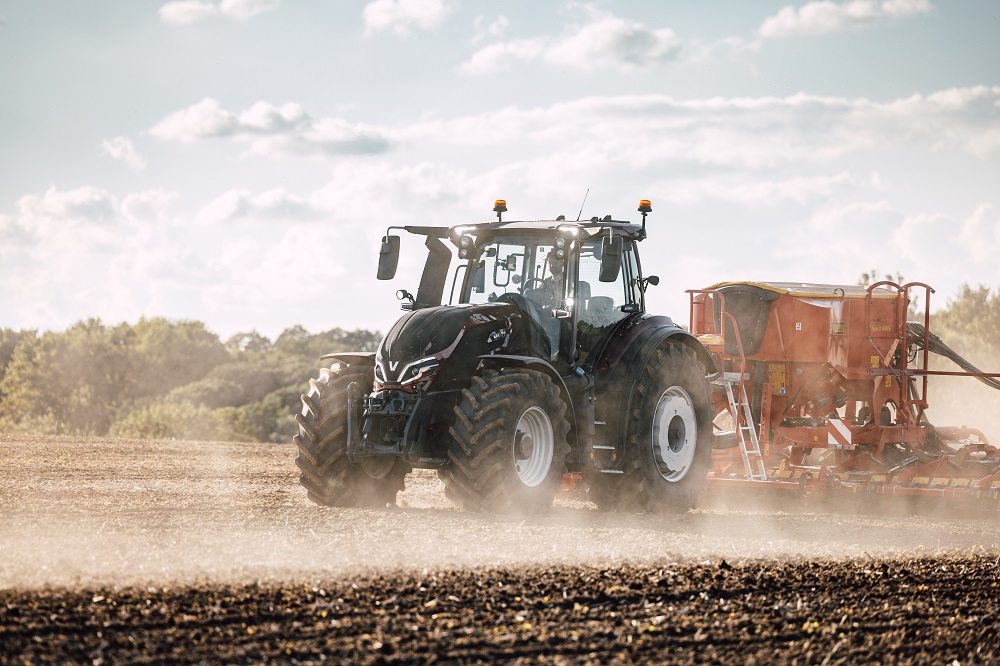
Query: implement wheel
column 327, row 473
column 509, row 444
column 669, row 440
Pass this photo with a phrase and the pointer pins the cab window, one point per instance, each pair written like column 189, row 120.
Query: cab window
column 601, row 305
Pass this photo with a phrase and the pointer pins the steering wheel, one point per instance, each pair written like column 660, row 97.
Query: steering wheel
column 528, row 282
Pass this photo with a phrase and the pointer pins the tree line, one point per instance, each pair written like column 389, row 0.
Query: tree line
column 161, row 379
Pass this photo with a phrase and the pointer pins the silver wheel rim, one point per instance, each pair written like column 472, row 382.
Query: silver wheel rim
column 533, row 447
column 674, row 434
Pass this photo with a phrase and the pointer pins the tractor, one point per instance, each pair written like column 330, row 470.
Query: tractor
column 544, row 366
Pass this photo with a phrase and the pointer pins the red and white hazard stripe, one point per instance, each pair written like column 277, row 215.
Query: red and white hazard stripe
column 838, row 433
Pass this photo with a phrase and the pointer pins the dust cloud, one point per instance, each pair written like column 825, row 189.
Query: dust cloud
column 964, row 401
column 84, row 512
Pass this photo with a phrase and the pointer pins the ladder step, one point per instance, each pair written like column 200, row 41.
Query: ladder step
column 612, row 471
column 601, row 447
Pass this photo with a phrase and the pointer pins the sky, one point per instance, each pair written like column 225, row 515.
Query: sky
column 236, row 161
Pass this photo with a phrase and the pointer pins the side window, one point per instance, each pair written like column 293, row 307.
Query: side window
column 601, row 302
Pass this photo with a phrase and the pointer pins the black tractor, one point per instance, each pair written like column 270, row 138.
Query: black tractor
column 545, row 364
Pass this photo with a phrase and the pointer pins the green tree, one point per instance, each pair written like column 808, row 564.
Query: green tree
column 9, row 339
column 71, row 382
column 170, row 354
column 973, row 314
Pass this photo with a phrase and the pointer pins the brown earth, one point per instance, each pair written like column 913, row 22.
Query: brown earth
column 127, row 551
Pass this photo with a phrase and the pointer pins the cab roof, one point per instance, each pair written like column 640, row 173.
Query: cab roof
column 585, row 228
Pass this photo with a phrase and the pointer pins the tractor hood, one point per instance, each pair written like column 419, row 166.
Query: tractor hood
column 449, row 339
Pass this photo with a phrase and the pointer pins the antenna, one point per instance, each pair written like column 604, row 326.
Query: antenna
column 583, row 204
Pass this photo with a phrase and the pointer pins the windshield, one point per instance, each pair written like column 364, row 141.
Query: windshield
column 524, row 266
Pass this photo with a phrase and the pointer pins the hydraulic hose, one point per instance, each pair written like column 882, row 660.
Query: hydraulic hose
column 915, row 335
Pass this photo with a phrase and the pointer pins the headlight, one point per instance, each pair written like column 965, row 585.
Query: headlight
column 560, row 242
column 418, row 370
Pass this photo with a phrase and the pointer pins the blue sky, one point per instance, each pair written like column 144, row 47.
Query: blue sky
column 235, row 161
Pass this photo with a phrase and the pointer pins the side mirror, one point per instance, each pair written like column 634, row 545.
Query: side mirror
column 388, row 257
column 653, row 280
column 611, row 259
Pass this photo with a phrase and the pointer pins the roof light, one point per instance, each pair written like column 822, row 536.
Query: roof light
column 560, row 242
column 465, row 241
column 645, row 206
column 499, row 206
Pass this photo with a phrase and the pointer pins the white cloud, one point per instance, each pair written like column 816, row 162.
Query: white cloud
column 151, row 206
column 271, row 205
column 186, row 12
column 206, row 119
column 753, row 132
column 748, row 192
column 495, row 30
column 242, row 10
column 604, row 41
column 405, row 17
column 120, row 148
column 502, row 55
column 980, row 235
column 816, row 18
column 272, row 130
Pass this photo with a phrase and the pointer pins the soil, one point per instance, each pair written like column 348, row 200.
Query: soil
column 181, row 552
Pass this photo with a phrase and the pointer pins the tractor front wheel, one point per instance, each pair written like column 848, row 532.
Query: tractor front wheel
column 330, row 478
column 669, row 440
column 509, row 443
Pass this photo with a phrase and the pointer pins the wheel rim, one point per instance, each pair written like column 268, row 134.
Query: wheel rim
column 533, row 447
column 674, row 434
column 377, row 468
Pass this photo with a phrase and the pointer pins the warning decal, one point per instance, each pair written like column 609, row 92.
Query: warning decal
column 838, row 433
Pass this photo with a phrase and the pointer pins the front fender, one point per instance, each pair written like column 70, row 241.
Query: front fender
column 499, row 361
column 361, row 359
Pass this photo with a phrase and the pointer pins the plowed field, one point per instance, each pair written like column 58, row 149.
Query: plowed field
column 144, row 552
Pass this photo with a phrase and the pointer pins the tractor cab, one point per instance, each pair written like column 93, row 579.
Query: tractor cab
column 574, row 281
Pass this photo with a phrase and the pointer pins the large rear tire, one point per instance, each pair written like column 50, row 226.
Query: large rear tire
column 330, row 478
column 509, row 445
column 669, row 440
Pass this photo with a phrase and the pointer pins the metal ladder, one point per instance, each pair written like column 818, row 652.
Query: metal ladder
column 753, row 461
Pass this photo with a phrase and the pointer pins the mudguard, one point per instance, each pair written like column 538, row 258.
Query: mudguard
column 541, row 365
column 623, row 359
column 351, row 358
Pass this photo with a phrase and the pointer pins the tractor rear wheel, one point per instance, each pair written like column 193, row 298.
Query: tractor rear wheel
column 669, row 439
column 509, row 443
column 330, row 478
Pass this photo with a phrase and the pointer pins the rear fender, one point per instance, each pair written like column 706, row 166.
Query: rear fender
column 624, row 359
column 645, row 333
